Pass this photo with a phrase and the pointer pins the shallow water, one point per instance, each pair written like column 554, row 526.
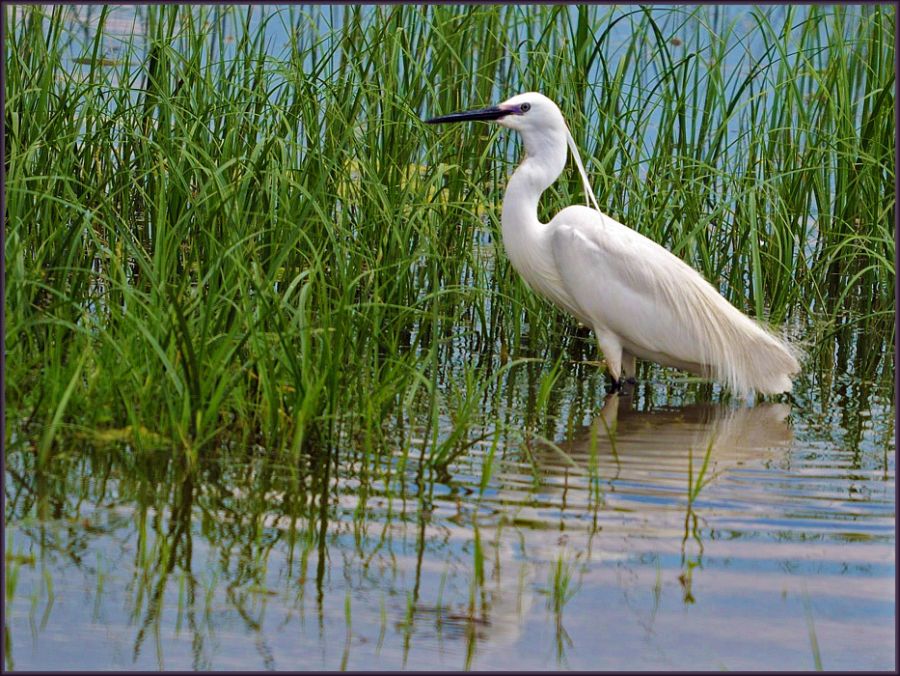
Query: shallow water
column 612, row 548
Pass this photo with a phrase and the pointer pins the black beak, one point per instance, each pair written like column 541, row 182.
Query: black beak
column 492, row 113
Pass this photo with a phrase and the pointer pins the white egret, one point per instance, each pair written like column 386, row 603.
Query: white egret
column 639, row 299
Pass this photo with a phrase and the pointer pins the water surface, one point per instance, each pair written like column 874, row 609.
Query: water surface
column 611, row 548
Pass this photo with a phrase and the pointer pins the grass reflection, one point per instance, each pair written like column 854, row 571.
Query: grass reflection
column 227, row 541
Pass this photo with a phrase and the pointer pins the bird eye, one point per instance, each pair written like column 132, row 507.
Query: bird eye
column 525, row 107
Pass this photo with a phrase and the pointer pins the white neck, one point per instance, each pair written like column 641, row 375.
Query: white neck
column 545, row 159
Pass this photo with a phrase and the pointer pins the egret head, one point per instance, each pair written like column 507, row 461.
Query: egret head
column 542, row 127
column 529, row 114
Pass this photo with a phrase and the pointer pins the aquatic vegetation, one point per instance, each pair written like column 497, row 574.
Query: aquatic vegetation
column 216, row 240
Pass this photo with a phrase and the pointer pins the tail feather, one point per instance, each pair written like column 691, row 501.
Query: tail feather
column 737, row 350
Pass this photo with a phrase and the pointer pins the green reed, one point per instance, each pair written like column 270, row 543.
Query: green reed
column 209, row 241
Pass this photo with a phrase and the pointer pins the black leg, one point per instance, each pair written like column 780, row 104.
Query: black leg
column 615, row 387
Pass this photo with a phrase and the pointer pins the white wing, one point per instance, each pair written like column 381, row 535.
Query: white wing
column 659, row 307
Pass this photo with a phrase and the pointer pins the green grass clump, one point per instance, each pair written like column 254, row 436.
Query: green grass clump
column 214, row 241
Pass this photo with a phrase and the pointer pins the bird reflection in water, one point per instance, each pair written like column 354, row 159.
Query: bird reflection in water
column 652, row 445
column 650, row 468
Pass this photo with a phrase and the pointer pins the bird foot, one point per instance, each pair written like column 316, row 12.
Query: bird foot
column 619, row 385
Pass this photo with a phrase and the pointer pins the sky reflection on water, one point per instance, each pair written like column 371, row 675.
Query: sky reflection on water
column 227, row 567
